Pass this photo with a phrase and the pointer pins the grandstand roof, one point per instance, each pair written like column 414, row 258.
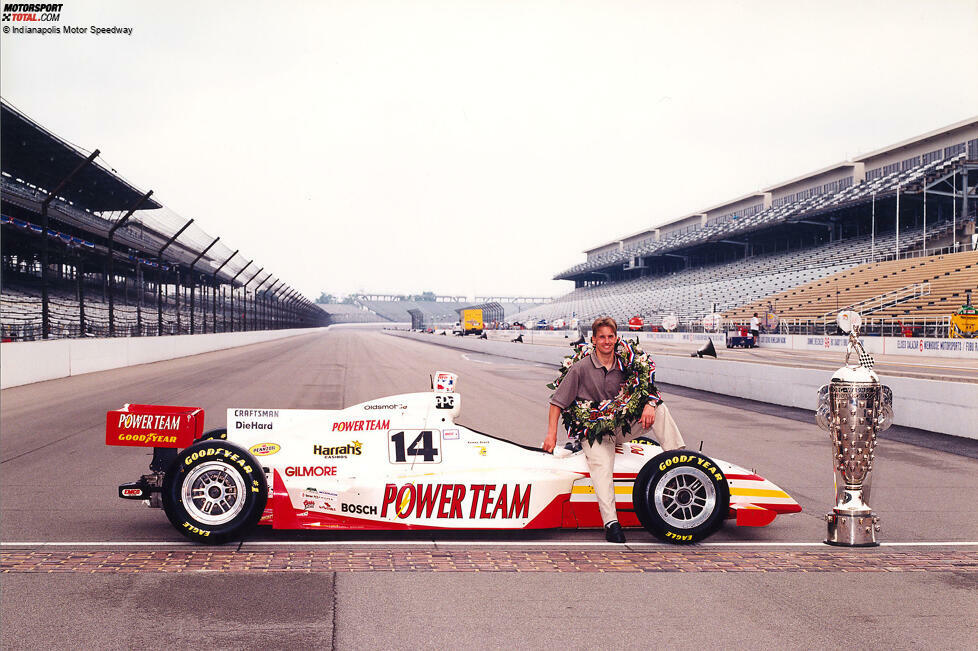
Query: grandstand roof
column 784, row 185
column 35, row 155
column 750, row 195
column 922, row 137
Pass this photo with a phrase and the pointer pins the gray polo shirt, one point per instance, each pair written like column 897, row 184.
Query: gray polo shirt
column 587, row 379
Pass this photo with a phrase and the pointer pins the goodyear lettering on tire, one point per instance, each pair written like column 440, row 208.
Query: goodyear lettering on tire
column 211, row 452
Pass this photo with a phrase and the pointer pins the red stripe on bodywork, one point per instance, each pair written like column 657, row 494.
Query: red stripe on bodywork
column 780, row 508
column 552, row 515
column 755, row 517
column 747, row 477
column 589, row 517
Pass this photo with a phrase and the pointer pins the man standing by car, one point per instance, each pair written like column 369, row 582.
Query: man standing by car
column 598, row 377
column 755, row 329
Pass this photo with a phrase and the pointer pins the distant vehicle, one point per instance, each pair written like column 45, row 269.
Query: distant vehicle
column 542, row 324
column 636, row 323
column 558, row 324
column 471, row 323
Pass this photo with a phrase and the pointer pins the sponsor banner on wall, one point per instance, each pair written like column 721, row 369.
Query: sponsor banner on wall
column 951, row 348
column 959, row 348
column 775, row 341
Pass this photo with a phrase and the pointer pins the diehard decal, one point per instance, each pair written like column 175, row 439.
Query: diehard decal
column 240, row 424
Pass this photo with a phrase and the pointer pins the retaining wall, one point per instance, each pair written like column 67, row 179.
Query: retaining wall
column 25, row 362
column 909, row 346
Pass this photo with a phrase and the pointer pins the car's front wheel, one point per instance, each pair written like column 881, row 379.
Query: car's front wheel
column 214, row 491
column 681, row 496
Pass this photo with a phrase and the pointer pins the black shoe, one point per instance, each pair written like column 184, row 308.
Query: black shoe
column 613, row 533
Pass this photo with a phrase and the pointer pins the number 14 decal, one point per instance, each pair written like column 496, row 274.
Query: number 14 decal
column 423, row 446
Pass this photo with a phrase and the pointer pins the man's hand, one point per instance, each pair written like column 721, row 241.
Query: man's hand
column 550, row 442
column 648, row 416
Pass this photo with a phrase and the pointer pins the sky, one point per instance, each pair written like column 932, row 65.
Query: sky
column 478, row 148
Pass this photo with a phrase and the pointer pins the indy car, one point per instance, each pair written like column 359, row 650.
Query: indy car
column 403, row 462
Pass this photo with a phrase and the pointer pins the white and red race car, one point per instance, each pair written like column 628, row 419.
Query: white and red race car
column 404, row 463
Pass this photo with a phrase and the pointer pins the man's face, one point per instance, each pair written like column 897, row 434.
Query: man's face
column 605, row 339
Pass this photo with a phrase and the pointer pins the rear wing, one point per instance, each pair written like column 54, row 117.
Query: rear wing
column 154, row 426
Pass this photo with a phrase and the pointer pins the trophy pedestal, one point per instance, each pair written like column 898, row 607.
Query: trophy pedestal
column 852, row 529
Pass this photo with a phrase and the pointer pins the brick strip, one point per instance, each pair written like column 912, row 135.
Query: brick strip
column 407, row 560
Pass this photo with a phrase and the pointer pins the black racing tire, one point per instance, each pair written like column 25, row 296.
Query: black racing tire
column 681, row 496
column 219, row 434
column 214, row 491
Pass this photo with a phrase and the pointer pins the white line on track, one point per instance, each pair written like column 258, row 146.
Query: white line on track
column 461, row 543
column 466, row 357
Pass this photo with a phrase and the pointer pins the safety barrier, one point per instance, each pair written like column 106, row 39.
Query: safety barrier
column 25, row 362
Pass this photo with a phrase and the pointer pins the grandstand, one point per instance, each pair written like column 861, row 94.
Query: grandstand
column 917, row 197
column 443, row 311
column 435, row 310
column 85, row 253
column 926, row 286
column 349, row 313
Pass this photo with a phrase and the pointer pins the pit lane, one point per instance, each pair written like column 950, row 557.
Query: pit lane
column 59, row 486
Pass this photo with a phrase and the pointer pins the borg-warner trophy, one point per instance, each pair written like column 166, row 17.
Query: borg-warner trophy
column 854, row 407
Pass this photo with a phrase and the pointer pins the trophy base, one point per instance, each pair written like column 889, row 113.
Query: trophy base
column 848, row 530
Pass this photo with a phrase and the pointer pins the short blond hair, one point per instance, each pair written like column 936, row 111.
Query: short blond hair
column 604, row 322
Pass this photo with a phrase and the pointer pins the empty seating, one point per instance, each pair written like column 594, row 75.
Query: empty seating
column 750, row 285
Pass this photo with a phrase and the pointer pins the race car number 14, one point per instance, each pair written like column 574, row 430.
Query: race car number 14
column 415, row 446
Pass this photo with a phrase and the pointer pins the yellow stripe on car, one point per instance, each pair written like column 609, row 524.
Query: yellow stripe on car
column 589, row 490
column 757, row 492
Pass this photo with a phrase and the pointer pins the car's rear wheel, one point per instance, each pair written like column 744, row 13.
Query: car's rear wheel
column 214, row 491
column 219, row 434
column 681, row 496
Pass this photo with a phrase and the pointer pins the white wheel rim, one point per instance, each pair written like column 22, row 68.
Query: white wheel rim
column 213, row 493
column 685, row 497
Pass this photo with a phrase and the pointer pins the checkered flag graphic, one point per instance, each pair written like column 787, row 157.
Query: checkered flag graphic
column 865, row 359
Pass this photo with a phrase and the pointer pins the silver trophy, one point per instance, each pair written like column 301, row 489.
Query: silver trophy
column 854, row 407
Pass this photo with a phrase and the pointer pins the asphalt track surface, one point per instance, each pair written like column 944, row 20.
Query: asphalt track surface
column 81, row 565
